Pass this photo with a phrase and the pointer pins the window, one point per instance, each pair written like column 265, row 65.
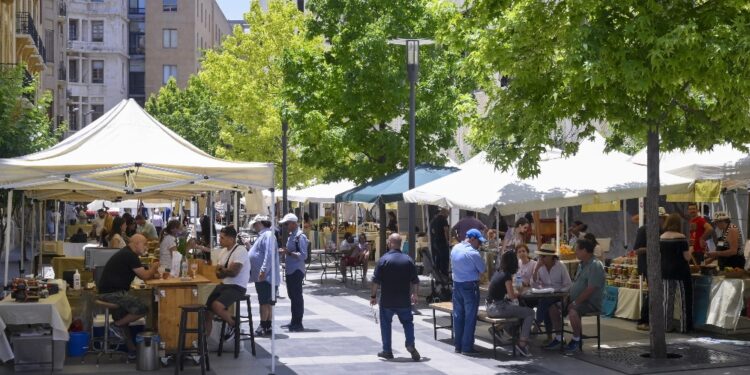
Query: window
column 73, row 117
column 97, row 110
column 136, row 6
column 136, row 83
column 49, row 42
column 169, row 71
column 73, row 29
column 97, row 71
column 137, row 38
column 97, row 31
column 169, row 38
column 73, row 70
column 169, row 5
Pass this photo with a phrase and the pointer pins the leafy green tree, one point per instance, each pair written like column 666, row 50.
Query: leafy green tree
column 24, row 123
column 349, row 105
column 193, row 113
column 245, row 76
column 674, row 73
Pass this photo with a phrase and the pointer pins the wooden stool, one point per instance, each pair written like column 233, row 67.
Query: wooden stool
column 108, row 344
column 202, row 349
column 238, row 320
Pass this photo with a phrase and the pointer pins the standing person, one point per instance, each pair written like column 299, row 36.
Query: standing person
column 466, row 223
column 158, row 221
column 296, row 253
column 103, row 221
column 585, row 294
column 114, row 284
column 516, row 236
column 700, row 232
column 396, row 273
column 145, row 228
column 115, row 238
column 675, row 253
column 576, row 232
column 440, row 240
column 168, row 244
column 234, row 271
column 392, row 222
column 502, row 300
column 467, row 266
column 262, row 269
column 640, row 250
column 728, row 243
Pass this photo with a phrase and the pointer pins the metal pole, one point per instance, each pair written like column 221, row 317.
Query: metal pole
column 211, row 218
column 284, row 200
column 557, row 229
column 273, row 274
column 33, row 230
column 56, row 217
column 8, row 214
column 236, row 204
column 23, row 231
column 413, row 72
column 42, row 228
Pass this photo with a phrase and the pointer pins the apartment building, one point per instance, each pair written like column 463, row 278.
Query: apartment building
column 97, row 58
column 171, row 36
column 54, row 24
column 20, row 41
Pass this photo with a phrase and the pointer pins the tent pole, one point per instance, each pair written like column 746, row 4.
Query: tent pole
column 41, row 236
column 640, row 212
column 557, row 229
column 273, row 274
column 8, row 214
column 336, row 225
column 382, row 239
column 624, row 223
column 56, row 216
column 23, row 231
column 33, row 231
column 236, row 204
column 211, row 217
column 740, row 218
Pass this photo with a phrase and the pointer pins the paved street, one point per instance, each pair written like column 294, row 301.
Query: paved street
column 341, row 337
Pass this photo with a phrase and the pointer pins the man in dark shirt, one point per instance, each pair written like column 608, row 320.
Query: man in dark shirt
column 640, row 250
column 397, row 275
column 114, row 284
column 468, row 222
column 439, row 237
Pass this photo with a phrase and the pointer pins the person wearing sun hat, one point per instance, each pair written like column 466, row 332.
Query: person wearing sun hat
column 728, row 243
column 262, row 269
column 296, row 253
column 549, row 273
column 467, row 265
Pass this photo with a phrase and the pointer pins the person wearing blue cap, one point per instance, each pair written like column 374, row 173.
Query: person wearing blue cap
column 467, row 265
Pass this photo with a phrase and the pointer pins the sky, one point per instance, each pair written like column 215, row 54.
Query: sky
column 234, row 9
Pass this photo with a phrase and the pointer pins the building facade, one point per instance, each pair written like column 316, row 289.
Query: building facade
column 97, row 57
column 20, row 41
column 54, row 24
column 176, row 34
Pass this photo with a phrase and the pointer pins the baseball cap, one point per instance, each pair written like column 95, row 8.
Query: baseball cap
column 289, row 217
column 475, row 233
column 662, row 211
column 258, row 218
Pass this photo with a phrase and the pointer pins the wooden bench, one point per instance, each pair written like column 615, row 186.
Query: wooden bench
column 496, row 323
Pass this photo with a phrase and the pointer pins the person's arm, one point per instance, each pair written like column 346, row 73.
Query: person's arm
column 375, row 284
column 478, row 262
column 733, row 239
column 509, row 291
column 566, row 282
column 447, row 233
column 708, row 231
column 270, row 246
column 231, row 271
column 147, row 274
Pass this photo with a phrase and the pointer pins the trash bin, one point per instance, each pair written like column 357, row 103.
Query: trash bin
column 148, row 351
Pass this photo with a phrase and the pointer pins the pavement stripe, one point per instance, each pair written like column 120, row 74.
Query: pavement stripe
column 329, row 360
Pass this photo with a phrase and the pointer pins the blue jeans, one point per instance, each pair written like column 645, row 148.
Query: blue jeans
column 406, row 319
column 542, row 313
column 465, row 307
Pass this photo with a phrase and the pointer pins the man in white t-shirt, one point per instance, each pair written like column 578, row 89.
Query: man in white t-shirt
column 234, row 270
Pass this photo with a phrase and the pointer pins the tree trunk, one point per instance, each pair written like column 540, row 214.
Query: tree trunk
column 655, row 290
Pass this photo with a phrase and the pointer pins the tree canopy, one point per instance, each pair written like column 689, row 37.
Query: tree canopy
column 675, row 73
column 245, row 76
column 192, row 113
column 24, row 123
column 349, row 102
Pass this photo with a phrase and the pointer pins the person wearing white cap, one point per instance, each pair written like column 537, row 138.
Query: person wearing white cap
column 262, row 269
column 296, row 253
column 728, row 243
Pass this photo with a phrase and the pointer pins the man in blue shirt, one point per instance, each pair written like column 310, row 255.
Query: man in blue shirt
column 467, row 265
column 396, row 274
column 262, row 270
column 296, row 253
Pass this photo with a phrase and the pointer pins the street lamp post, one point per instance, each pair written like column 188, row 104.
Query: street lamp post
column 412, row 70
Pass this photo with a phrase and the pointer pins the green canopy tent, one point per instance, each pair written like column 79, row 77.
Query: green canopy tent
column 391, row 189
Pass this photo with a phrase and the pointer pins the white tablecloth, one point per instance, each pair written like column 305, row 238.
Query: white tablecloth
column 54, row 310
column 726, row 301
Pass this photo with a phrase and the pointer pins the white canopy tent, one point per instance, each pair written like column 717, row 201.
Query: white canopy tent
column 129, row 203
column 321, row 193
column 150, row 162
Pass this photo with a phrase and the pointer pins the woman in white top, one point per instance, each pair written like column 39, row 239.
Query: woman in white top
column 549, row 273
column 115, row 240
column 168, row 243
column 526, row 265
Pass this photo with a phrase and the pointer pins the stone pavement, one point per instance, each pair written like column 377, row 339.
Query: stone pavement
column 342, row 337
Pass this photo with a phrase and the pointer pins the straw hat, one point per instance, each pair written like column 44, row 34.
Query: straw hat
column 721, row 216
column 546, row 249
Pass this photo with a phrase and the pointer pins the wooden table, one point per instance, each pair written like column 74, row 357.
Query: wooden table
column 170, row 295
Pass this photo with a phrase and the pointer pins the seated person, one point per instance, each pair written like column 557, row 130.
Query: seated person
column 585, row 294
column 114, row 285
column 350, row 252
column 79, row 237
column 234, row 270
column 502, row 301
column 145, row 228
column 549, row 273
column 363, row 249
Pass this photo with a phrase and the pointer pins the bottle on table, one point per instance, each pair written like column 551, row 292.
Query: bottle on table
column 76, row 280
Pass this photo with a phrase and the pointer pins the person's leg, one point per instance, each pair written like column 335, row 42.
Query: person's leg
column 386, row 316
column 542, row 314
column 644, row 310
column 458, row 316
column 680, row 289
column 669, row 291
column 555, row 317
column 444, row 259
column 575, row 323
column 688, row 287
column 294, row 289
column 471, row 308
column 407, row 321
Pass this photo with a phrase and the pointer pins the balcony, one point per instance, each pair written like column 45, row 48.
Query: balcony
column 28, row 42
column 104, row 47
column 28, row 79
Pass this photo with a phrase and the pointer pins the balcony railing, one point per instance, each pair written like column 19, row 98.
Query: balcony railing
column 28, row 79
column 25, row 25
column 62, row 9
